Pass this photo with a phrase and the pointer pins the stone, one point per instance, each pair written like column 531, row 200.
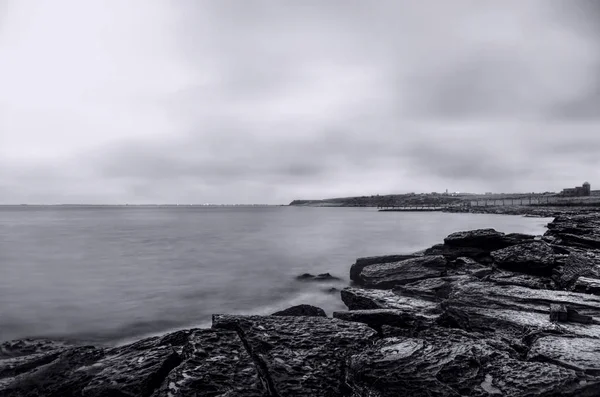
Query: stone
column 532, row 258
column 575, row 317
column 452, row 253
column 299, row 356
column 377, row 318
column 319, row 277
column 575, row 266
column 361, row 263
column 388, row 275
column 576, row 230
column 558, row 313
column 522, row 280
column 587, row 285
column 365, row 299
column 485, row 239
column 215, row 363
column 302, row 310
column 580, row 354
column 444, row 363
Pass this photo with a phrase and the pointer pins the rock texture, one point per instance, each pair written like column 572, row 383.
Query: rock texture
column 484, row 314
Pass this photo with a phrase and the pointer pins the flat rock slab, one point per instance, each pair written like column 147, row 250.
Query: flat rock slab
column 367, row 299
column 486, row 239
column 533, row 258
column 453, row 363
column 133, row 370
column 581, row 354
column 302, row 310
column 388, row 275
column 215, row 364
column 361, row 263
column 377, row 318
column 299, row 356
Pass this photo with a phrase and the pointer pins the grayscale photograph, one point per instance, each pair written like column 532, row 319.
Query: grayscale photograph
column 312, row 198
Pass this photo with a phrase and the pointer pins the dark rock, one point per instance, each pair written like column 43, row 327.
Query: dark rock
column 434, row 289
column 454, row 363
column 454, row 252
column 578, row 230
column 364, row 299
column 319, row 277
column 388, row 275
column 215, row 364
column 454, row 318
column 575, row 317
column 66, row 376
column 580, row 354
column 17, row 357
column 532, row 258
column 575, row 266
column 558, row 313
column 587, row 285
column 302, row 310
column 485, row 239
column 377, row 318
column 299, row 356
column 361, row 263
column 522, row 280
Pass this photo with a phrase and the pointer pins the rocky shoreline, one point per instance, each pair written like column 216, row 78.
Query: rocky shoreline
column 482, row 314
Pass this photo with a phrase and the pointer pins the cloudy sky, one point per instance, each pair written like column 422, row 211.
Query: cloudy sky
column 244, row 101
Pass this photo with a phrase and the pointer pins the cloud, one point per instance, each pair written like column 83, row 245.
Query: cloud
column 265, row 101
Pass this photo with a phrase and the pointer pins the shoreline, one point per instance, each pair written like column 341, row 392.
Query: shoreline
column 499, row 314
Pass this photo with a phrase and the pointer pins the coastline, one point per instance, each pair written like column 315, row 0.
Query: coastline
column 483, row 312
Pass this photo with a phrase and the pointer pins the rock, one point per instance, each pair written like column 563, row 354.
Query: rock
column 467, row 266
column 587, row 285
column 215, row 364
column 454, row 363
column 377, row 318
column 65, row 376
column 433, row 289
column 533, row 258
column 522, row 280
column 331, row 290
column 571, row 269
column 361, row 263
column 558, row 313
column 302, row 310
column 485, row 239
column 299, row 356
column 454, row 252
column 319, row 277
column 578, row 230
column 580, row 354
column 388, row 275
column 364, row 299
column 575, row 317
column 17, row 357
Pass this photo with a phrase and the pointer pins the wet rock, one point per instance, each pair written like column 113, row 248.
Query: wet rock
column 17, row 357
column 299, row 356
column 522, row 280
column 302, row 310
column 25, row 347
column 453, row 363
column 454, row 252
column 587, row 285
column 215, row 364
column 376, row 319
column 467, row 266
column 388, row 275
column 319, row 277
column 364, row 299
column 361, row 263
column 133, row 370
column 580, row 354
column 485, row 239
column 433, row 289
column 532, row 258
column 66, row 376
column 558, row 313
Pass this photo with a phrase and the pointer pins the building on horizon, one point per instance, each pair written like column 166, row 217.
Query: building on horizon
column 579, row 191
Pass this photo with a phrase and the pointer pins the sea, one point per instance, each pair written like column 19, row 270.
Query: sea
column 110, row 275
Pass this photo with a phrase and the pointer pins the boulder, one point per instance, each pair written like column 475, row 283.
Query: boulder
column 319, row 277
column 533, row 258
column 365, row 299
column 580, row 354
column 445, row 363
column 485, row 239
column 215, row 363
column 302, row 310
column 377, row 318
column 299, row 356
column 361, row 263
column 388, row 275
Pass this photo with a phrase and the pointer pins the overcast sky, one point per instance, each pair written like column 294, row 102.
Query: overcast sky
column 246, row 101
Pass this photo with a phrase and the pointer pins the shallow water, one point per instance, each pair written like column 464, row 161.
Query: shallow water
column 114, row 274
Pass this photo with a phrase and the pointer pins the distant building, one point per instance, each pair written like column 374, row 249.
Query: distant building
column 579, row 191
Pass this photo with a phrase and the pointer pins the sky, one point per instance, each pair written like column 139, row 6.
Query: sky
column 266, row 101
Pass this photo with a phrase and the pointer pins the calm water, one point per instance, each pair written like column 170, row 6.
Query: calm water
column 112, row 274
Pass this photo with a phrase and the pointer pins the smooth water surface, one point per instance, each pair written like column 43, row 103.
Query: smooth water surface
column 115, row 273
